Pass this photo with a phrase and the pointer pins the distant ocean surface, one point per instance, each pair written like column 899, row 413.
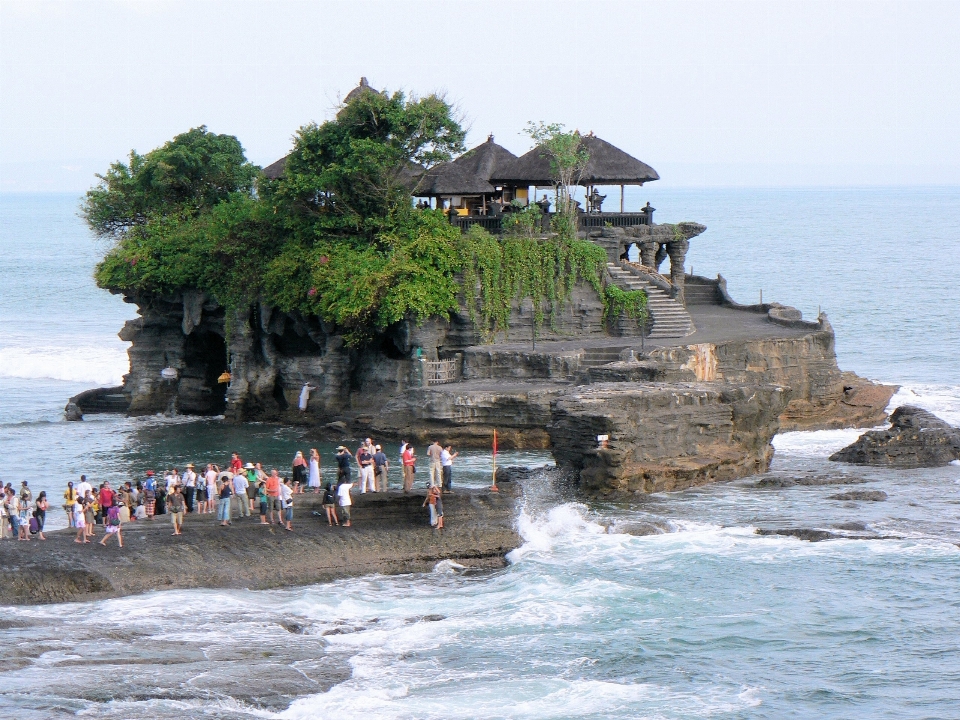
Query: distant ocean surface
column 707, row 619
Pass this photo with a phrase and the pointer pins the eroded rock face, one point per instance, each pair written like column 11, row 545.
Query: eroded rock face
column 665, row 436
column 916, row 439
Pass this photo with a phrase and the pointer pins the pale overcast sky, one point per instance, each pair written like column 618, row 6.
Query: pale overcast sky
column 709, row 93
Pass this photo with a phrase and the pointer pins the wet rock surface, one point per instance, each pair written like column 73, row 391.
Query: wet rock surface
column 916, row 439
column 390, row 534
column 863, row 495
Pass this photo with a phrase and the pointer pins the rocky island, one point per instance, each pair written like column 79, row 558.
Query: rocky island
column 437, row 296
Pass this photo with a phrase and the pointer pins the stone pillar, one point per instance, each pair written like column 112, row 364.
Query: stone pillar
column 660, row 256
column 677, row 250
column 648, row 252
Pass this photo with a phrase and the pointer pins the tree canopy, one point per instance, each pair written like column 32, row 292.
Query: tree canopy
column 187, row 175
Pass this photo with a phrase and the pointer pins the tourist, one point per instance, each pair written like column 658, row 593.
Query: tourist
column 173, row 480
column 286, row 497
column 69, row 500
column 211, row 478
column 251, row 496
column 264, row 501
column 299, row 469
column 40, row 513
column 436, row 510
column 236, row 464
column 223, row 504
column 150, row 495
column 273, row 494
column 314, row 479
column 189, row 487
column 123, row 503
column 403, row 449
column 343, row 498
column 365, row 461
column 80, row 521
column 330, row 504
column 436, row 469
column 83, row 486
column 176, row 504
column 240, row 484
column 106, row 496
column 11, row 506
column 4, row 521
column 113, row 525
column 380, row 467
column 201, row 495
column 409, row 467
column 446, row 461
column 91, row 508
column 26, row 502
column 343, row 464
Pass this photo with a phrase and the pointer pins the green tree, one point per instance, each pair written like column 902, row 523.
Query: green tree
column 190, row 174
column 354, row 174
column 567, row 158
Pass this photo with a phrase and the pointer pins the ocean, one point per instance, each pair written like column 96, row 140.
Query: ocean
column 705, row 618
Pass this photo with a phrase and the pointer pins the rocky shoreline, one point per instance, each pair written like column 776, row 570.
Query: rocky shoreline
column 390, row 535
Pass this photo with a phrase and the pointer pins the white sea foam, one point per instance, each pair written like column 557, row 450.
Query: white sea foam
column 814, row 443
column 99, row 364
column 942, row 400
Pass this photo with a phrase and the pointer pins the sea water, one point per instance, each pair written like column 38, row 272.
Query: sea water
column 703, row 618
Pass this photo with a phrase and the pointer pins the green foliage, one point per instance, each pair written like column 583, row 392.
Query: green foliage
column 186, row 176
column 352, row 175
column 410, row 271
column 517, row 267
column 617, row 302
column 568, row 157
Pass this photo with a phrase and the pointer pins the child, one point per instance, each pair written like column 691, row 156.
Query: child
column 79, row 521
column 113, row 525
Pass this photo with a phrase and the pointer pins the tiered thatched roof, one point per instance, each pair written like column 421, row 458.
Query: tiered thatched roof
column 451, row 179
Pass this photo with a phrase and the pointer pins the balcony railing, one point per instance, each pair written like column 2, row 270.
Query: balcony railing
column 493, row 223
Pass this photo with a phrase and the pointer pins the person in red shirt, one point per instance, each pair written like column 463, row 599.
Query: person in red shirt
column 409, row 462
column 236, row 464
column 106, row 497
column 273, row 494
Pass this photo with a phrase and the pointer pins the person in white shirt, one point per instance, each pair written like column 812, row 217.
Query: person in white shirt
column 190, row 486
column 83, row 487
column 286, row 500
column 343, row 499
column 446, row 461
column 240, row 484
column 210, row 477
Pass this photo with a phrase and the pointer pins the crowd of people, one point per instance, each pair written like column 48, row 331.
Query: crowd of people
column 237, row 490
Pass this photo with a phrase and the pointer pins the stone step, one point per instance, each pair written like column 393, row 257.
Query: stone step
column 669, row 318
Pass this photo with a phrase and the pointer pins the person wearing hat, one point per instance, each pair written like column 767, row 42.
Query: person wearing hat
column 380, row 467
column 189, row 486
column 344, row 459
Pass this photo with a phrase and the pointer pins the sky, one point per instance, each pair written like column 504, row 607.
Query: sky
column 716, row 93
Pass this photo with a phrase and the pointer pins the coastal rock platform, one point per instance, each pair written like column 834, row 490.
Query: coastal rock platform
column 390, row 535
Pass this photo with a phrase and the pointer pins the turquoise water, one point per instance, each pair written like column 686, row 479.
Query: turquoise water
column 705, row 619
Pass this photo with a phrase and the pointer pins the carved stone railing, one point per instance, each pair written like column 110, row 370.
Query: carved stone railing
column 613, row 219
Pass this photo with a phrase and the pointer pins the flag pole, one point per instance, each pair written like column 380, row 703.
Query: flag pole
column 494, row 488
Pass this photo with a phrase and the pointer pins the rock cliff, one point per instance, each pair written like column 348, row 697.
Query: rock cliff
column 677, row 412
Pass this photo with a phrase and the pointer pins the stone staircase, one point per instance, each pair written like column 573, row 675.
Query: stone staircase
column 669, row 319
column 597, row 356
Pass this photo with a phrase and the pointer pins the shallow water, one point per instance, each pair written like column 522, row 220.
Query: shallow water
column 705, row 618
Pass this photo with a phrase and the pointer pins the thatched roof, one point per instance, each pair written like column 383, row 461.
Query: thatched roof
column 486, row 160
column 451, row 179
column 274, row 171
column 608, row 165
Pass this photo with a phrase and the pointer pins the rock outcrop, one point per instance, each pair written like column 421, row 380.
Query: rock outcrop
column 916, row 439
column 665, row 437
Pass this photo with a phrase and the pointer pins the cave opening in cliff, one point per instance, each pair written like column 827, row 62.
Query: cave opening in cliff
column 205, row 356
